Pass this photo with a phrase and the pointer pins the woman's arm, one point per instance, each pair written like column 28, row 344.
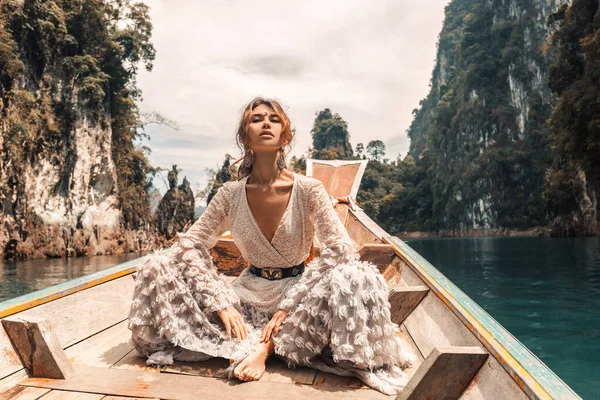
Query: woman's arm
column 192, row 257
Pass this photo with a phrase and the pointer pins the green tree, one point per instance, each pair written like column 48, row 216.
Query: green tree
column 331, row 139
column 575, row 120
column 360, row 149
column 376, row 149
column 93, row 49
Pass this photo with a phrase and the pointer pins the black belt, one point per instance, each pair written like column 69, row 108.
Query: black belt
column 273, row 274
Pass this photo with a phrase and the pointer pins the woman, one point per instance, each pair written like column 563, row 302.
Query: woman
column 331, row 314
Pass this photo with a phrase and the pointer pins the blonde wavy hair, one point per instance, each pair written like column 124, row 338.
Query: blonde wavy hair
column 243, row 141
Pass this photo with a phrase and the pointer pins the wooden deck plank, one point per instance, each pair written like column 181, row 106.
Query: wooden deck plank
column 127, row 398
column 12, row 380
column 103, row 349
column 182, row 387
column 278, row 371
column 133, row 362
column 207, row 368
column 23, row 393
column 325, row 379
column 75, row 317
column 68, row 395
column 9, row 360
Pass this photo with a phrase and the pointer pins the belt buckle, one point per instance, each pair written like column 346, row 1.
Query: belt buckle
column 271, row 273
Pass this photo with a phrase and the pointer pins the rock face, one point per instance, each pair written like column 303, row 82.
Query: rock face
column 68, row 206
column 176, row 209
column 481, row 129
column 58, row 177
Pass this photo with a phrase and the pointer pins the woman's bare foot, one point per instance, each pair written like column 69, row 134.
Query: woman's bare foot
column 253, row 366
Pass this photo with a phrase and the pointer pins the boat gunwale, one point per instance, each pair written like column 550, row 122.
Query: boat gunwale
column 55, row 292
column 527, row 370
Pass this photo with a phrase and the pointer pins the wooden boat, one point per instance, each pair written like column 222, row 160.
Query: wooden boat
column 70, row 341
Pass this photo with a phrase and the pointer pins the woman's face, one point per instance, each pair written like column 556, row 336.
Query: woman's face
column 264, row 131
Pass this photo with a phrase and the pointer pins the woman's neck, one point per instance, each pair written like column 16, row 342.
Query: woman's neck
column 265, row 171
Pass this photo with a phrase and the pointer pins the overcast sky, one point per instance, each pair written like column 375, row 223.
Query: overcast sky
column 368, row 60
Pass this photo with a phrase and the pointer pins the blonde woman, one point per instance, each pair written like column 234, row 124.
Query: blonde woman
column 331, row 314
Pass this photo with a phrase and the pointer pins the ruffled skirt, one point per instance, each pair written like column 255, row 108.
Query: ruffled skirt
column 342, row 324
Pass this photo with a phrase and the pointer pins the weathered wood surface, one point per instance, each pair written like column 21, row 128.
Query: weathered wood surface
column 404, row 299
column 408, row 276
column 433, row 324
column 278, row 371
column 391, row 273
column 444, row 374
column 358, row 231
column 342, row 212
column 325, row 379
column 133, row 362
column 369, row 225
column 103, row 349
column 23, row 393
column 227, row 257
column 340, row 179
column 12, row 380
column 183, row 387
column 65, row 395
column 75, row 317
column 9, row 359
column 208, row 368
column 379, row 254
column 408, row 345
column 492, row 382
column 38, row 347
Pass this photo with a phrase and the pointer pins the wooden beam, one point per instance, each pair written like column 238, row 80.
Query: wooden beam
column 227, row 257
column 444, row 374
column 37, row 347
column 404, row 299
column 183, row 387
column 377, row 253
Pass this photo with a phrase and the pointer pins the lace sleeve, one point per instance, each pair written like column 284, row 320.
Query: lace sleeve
column 192, row 257
column 335, row 243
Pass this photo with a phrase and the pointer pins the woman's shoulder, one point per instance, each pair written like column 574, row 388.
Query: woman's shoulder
column 310, row 189
column 227, row 190
column 308, row 182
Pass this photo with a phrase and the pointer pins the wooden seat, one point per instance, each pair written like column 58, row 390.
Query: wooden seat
column 404, row 299
column 444, row 374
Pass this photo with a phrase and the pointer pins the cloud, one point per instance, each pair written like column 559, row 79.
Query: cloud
column 369, row 61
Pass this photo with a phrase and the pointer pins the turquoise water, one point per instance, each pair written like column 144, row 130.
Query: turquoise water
column 546, row 292
column 22, row 277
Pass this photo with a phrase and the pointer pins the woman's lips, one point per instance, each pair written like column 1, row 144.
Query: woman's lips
column 266, row 133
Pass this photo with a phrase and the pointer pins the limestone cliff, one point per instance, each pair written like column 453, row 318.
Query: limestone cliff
column 480, row 133
column 68, row 120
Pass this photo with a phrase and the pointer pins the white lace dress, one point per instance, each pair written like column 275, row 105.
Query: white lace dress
column 338, row 311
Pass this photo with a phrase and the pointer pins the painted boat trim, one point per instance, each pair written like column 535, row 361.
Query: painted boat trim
column 530, row 373
column 27, row 301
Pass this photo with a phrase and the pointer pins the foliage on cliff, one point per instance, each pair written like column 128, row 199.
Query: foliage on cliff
column 66, row 61
column 573, row 182
column 480, row 135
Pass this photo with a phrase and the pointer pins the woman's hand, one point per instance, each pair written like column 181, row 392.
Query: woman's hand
column 273, row 325
column 233, row 322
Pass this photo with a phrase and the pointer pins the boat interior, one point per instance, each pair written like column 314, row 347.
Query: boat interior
column 71, row 341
